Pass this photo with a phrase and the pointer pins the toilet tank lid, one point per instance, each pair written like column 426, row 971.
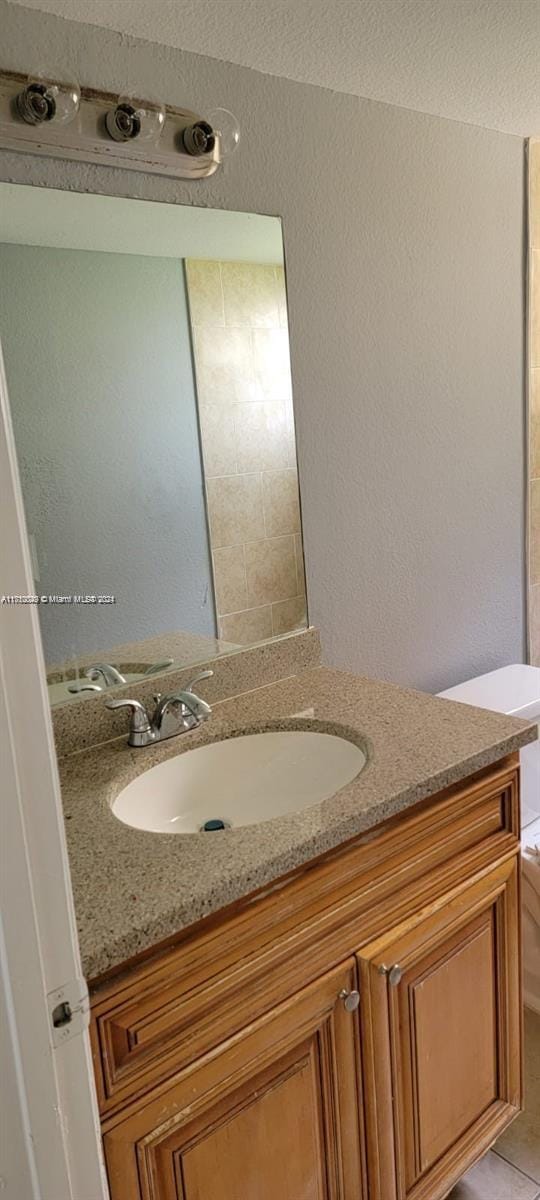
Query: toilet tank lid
column 514, row 690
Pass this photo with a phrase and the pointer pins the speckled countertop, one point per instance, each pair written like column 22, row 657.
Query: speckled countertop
column 134, row 889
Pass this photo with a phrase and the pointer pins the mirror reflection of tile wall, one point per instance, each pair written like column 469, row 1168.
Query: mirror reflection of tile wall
column 240, row 341
column 534, row 394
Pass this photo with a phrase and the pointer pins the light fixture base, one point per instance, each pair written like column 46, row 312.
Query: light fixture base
column 88, row 139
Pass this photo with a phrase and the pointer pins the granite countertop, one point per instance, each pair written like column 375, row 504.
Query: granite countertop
column 134, row 889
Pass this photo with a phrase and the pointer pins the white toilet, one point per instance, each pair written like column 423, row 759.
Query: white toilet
column 515, row 690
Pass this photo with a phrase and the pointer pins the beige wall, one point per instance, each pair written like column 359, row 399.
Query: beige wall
column 534, row 405
column 241, row 353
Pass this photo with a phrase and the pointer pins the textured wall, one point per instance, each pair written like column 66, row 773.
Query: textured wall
column 471, row 60
column 534, row 404
column 404, row 248
column 242, row 366
column 106, row 430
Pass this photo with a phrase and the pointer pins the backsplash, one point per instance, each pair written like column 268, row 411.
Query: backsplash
column 241, row 352
column 79, row 726
column 534, row 404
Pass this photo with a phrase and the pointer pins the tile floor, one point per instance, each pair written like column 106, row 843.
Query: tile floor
column 511, row 1171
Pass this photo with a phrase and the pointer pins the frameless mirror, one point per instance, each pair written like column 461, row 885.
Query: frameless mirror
column 147, row 357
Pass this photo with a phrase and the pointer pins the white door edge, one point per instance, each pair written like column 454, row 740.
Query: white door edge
column 56, row 1099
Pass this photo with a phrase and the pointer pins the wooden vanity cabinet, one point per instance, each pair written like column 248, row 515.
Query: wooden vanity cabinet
column 440, row 1028
column 273, row 1112
column 376, row 1051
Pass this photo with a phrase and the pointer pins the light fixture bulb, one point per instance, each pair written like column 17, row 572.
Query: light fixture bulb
column 226, row 129
column 44, row 100
column 134, row 118
column 199, row 139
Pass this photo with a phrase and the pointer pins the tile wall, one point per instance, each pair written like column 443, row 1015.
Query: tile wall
column 534, row 405
column 240, row 338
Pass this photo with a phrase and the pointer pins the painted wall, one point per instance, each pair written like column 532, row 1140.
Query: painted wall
column 404, row 241
column 98, row 362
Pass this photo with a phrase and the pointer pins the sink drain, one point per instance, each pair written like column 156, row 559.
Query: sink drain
column 214, row 824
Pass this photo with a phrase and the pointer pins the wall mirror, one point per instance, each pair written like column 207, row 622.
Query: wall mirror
column 147, row 358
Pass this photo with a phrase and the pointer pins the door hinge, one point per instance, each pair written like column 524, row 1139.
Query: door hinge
column 69, row 1010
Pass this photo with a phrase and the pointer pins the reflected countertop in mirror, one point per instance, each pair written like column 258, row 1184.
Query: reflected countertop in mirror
column 133, row 662
column 147, row 357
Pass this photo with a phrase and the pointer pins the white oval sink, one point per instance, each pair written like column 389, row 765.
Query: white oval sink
column 240, row 781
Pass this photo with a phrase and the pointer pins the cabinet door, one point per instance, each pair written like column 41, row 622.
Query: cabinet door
column 273, row 1112
column 441, row 1038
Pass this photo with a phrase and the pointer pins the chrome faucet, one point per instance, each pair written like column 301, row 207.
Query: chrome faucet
column 106, row 672
column 174, row 714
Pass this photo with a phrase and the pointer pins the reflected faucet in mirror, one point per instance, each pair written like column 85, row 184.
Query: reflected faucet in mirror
column 108, row 674
column 105, row 675
column 83, row 686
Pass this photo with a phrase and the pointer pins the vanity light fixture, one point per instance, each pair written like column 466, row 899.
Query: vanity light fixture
column 123, row 131
column 43, row 100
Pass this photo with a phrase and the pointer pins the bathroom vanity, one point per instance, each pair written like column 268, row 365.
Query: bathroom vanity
column 345, row 1019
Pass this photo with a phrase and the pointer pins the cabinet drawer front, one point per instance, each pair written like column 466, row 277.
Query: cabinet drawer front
column 200, row 993
column 273, row 1112
column 441, row 1030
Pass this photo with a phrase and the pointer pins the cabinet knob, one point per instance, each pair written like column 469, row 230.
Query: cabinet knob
column 393, row 974
column 351, row 1000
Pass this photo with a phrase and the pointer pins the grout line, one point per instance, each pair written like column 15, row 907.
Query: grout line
column 261, row 489
column 251, row 471
column 237, row 612
column 520, row 1170
column 276, row 537
column 235, row 440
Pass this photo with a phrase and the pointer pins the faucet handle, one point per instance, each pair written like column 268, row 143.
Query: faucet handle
column 198, row 678
column 140, row 721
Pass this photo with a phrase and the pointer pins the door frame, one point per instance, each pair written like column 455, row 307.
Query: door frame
column 56, row 1102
